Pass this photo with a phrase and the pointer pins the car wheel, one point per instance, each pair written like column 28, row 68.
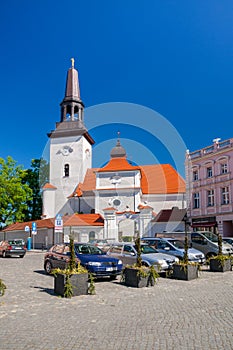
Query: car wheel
column 210, row 255
column 3, row 254
column 48, row 267
column 21, row 256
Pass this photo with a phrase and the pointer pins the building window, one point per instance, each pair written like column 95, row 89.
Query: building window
column 195, row 175
column 209, row 172
column 224, row 168
column 225, row 195
column 91, row 235
column 67, row 170
column 210, row 198
column 116, row 202
column 196, row 201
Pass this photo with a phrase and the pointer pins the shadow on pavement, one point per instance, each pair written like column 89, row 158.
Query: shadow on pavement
column 42, row 272
column 49, row 291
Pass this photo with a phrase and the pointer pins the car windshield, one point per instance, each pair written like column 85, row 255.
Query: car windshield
column 16, row 242
column 211, row 236
column 88, row 249
column 228, row 240
column 146, row 249
column 178, row 244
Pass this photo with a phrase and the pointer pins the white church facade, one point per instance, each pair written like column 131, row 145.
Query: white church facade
column 126, row 196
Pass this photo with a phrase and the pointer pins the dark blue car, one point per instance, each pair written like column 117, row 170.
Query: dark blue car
column 96, row 261
column 91, row 257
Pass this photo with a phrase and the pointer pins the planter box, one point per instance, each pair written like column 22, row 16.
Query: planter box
column 186, row 273
column 79, row 283
column 132, row 279
column 217, row 265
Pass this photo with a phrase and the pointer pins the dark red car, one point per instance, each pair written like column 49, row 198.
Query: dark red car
column 13, row 247
column 57, row 256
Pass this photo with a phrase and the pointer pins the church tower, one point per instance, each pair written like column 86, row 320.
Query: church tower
column 70, row 150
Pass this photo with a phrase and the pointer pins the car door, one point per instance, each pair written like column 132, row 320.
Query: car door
column 199, row 242
column 58, row 258
column 1, row 247
column 129, row 255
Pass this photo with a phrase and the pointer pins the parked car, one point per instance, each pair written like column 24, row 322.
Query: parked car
column 101, row 243
column 13, row 247
column 228, row 240
column 91, row 257
column 175, row 247
column 205, row 241
column 128, row 254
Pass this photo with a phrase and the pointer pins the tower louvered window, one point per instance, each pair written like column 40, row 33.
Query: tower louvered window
column 67, row 170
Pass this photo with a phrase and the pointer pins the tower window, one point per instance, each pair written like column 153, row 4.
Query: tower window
column 67, row 170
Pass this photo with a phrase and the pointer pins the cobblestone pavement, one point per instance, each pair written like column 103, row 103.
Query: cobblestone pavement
column 174, row 314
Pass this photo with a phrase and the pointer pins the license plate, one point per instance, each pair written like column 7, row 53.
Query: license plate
column 111, row 268
column 18, row 248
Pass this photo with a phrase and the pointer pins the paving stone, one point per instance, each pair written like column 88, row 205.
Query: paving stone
column 184, row 315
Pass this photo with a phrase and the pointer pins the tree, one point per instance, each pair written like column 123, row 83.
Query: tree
column 35, row 178
column 14, row 192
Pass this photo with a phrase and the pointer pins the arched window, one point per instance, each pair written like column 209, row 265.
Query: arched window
column 67, row 170
column 91, row 235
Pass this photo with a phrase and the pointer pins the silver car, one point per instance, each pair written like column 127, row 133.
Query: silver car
column 128, row 254
column 175, row 247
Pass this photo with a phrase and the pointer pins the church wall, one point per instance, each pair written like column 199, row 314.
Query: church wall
column 49, row 196
column 119, row 200
column 166, row 201
column 126, row 180
column 83, row 233
column 71, row 151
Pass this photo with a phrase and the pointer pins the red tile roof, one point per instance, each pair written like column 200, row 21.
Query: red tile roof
column 48, row 185
column 118, row 164
column 155, row 179
column 83, row 220
column 18, row 226
column 161, row 178
column 68, row 220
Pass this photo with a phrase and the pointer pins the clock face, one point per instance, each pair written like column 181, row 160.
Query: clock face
column 66, row 150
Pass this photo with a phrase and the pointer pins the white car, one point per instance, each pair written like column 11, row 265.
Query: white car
column 128, row 254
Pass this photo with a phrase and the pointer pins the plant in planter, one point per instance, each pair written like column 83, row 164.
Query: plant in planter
column 185, row 270
column 73, row 280
column 138, row 275
column 220, row 262
column 2, row 288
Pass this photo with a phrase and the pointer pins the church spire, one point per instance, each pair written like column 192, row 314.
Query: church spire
column 72, row 105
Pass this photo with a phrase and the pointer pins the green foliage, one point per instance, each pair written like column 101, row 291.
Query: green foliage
column 91, row 288
column 35, row 178
column 142, row 270
column 127, row 238
column 2, row 288
column 14, row 192
column 68, row 288
column 138, row 249
column 186, row 247
column 219, row 244
column 72, row 269
column 72, row 261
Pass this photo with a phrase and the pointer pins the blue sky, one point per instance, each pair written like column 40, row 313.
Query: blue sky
column 173, row 57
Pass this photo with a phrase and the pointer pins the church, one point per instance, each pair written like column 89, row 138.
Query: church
column 124, row 197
